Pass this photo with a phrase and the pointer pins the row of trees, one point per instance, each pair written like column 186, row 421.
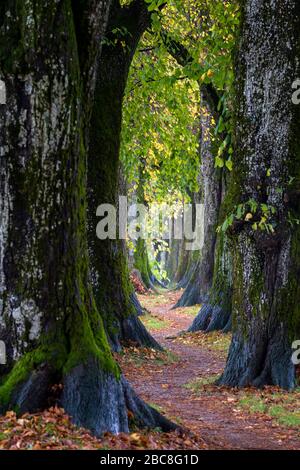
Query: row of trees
column 247, row 193
column 66, row 300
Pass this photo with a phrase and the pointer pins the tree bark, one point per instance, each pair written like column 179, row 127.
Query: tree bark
column 200, row 283
column 110, row 277
column 174, row 246
column 216, row 310
column 208, row 277
column 49, row 321
column 266, row 290
column 182, row 263
column 215, row 313
column 48, row 317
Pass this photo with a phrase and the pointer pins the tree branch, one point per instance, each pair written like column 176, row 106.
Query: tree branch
column 182, row 56
column 176, row 49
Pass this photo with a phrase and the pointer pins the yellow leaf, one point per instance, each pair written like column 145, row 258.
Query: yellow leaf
column 248, row 216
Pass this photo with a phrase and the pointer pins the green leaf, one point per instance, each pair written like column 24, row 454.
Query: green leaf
column 240, row 211
column 228, row 164
column 264, row 208
column 219, row 162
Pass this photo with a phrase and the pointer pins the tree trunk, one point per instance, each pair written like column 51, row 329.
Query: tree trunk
column 211, row 190
column 199, row 275
column 48, row 317
column 173, row 255
column 142, row 267
column 140, row 254
column 189, row 262
column 266, row 291
column 141, row 262
column 123, row 190
column 110, row 277
column 183, row 264
column 215, row 313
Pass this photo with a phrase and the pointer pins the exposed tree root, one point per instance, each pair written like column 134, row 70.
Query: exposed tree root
column 94, row 398
column 262, row 359
column 212, row 318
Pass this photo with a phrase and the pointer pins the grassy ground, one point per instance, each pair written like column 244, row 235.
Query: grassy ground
column 141, row 357
column 214, row 341
column 283, row 407
column 153, row 322
column 270, row 402
column 242, row 418
column 178, row 382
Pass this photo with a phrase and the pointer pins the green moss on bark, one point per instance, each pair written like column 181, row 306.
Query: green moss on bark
column 47, row 227
column 141, row 261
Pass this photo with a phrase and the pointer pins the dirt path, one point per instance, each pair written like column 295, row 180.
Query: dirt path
column 214, row 414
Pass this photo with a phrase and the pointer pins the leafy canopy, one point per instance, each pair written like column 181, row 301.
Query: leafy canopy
column 162, row 103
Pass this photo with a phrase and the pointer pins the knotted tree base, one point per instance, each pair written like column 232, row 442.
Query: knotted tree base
column 260, row 360
column 95, row 399
column 212, row 318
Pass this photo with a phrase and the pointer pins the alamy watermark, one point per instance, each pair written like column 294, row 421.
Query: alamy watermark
column 156, row 221
column 296, row 100
column 296, row 94
column 2, row 353
column 296, row 353
column 2, row 92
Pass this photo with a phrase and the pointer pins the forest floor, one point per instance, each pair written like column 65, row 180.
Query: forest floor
column 179, row 383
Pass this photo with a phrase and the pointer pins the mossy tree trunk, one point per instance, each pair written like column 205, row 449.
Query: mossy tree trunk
column 186, row 266
column 216, row 309
column 174, row 246
column 48, row 317
column 124, row 190
column 182, row 263
column 215, row 312
column 110, row 277
column 49, row 321
column 210, row 178
column 266, row 290
column 197, row 289
column 141, row 262
column 140, row 253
